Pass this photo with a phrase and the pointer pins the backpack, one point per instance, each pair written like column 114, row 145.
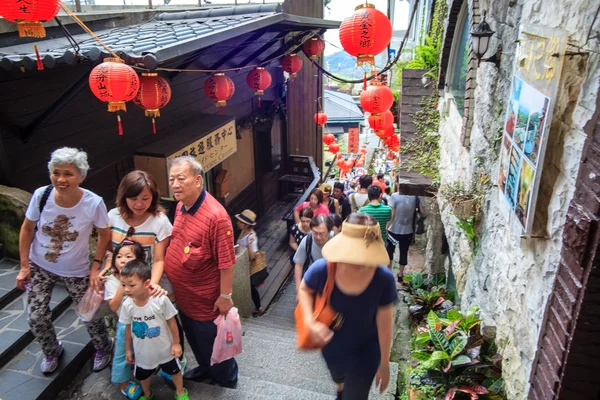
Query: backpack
column 43, row 202
column 308, row 260
column 355, row 206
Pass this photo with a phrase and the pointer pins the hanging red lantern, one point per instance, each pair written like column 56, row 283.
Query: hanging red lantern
column 291, row 64
column 365, row 33
column 29, row 15
column 339, row 156
column 219, row 88
column 259, row 79
column 377, row 98
column 334, row 148
column 320, row 118
column 386, row 133
column 392, row 142
column 154, row 94
column 313, row 47
column 116, row 83
column 328, row 138
column 379, row 122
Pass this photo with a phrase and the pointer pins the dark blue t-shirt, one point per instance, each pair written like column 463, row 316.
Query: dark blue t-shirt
column 355, row 347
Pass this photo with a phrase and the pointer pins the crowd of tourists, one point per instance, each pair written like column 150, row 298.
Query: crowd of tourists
column 167, row 280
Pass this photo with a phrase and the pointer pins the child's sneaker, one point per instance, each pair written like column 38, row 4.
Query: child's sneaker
column 168, row 377
column 133, row 391
column 183, row 396
column 151, row 397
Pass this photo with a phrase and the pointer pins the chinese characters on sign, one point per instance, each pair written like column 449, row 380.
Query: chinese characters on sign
column 212, row 148
column 527, row 123
column 353, row 140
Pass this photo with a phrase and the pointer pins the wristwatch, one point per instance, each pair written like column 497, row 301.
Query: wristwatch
column 226, row 296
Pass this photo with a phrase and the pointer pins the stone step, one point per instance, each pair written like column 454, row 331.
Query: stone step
column 8, row 273
column 14, row 329
column 22, row 379
column 276, row 328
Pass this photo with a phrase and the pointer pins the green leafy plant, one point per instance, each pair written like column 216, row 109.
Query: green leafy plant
column 454, row 360
column 468, row 227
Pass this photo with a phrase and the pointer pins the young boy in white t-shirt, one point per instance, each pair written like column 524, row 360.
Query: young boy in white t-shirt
column 150, row 324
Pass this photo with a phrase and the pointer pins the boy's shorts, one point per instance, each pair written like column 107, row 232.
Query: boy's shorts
column 171, row 368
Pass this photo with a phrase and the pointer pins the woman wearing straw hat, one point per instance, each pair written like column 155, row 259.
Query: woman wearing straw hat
column 246, row 221
column 364, row 294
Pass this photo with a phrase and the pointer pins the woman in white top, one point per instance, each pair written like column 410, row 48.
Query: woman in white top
column 246, row 221
column 53, row 245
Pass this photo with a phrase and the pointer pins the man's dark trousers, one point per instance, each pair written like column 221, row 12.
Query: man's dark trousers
column 201, row 337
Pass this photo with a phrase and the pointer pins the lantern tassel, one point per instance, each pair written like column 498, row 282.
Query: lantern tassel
column 31, row 29
column 365, row 81
column 120, row 125
column 153, row 126
column 40, row 64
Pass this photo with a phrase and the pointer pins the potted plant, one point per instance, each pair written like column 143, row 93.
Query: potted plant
column 453, row 361
column 465, row 202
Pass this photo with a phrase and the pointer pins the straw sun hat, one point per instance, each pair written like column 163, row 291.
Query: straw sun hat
column 357, row 244
column 247, row 216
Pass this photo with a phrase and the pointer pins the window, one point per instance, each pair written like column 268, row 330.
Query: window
column 460, row 63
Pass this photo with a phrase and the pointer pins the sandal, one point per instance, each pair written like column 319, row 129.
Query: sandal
column 133, row 391
column 183, row 396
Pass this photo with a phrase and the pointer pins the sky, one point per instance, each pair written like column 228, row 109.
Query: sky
column 340, row 9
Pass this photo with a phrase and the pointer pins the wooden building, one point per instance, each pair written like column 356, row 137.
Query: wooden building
column 41, row 110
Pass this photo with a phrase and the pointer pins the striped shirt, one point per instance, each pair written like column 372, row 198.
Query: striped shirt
column 201, row 245
column 381, row 213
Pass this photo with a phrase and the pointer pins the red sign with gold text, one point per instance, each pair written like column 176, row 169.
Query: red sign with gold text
column 353, row 140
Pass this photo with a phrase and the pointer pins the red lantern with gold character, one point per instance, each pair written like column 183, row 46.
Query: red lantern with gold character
column 291, row 64
column 219, row 88
column 365, row 33
column 115, row 83
column 29, row 15
column 334, row 148
column 379, row 122
column 384, row 134
column 259, row 79
column 393, row 142
column 154, row 94
column 328, row 138
column 376, row 98
column 320, row 118
column 313, row 47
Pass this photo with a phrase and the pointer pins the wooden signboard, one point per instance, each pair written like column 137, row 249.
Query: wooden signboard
column 210, row 141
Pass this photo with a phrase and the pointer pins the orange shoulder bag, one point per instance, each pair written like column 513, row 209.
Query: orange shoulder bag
column 323, row 312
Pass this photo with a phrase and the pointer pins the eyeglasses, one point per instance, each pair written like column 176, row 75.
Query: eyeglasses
column 320, row 234
column 130, row 231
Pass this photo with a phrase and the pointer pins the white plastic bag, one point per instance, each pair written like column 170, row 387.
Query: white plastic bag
column 92, row 306
column 228, row 342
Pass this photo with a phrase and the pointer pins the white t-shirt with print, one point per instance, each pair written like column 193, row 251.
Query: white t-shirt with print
column 154, row 230
column 151, row 335
column 60, row 244
column 111, row 285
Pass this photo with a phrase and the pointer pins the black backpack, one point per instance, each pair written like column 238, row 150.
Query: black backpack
column 309, row 259
column 43, row 202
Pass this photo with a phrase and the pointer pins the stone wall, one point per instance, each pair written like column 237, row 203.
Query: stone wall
column 511, row 278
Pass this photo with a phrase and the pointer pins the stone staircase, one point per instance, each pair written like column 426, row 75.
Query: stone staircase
column 20, row 356
column 269, row 368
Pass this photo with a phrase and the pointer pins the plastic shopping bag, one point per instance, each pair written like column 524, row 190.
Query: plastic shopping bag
column 92, row 306
column 228, row 342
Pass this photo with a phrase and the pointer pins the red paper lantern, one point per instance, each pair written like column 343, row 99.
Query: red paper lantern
column 259, row 79
column 219, row 88
column 334, row 148
column 154, row 94
column 392, row 142
column 291, row 64
column 340, row 163
column 365, row 33
column 377, row 98
column 313, row 47
column 339, row 156
column 379, row 122
column 29, row 15
column 320, row 118
column 328, row 138
column 114, row 82
column 386, row 133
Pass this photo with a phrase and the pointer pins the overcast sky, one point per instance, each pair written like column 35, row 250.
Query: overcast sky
column 340, row 9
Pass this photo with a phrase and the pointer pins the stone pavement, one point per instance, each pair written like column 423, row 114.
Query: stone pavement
column 269, row 368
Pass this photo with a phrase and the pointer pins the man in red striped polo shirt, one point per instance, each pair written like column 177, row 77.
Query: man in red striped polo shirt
column 199, row 263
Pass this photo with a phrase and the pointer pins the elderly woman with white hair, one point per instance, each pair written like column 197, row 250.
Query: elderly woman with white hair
column 53, row 245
